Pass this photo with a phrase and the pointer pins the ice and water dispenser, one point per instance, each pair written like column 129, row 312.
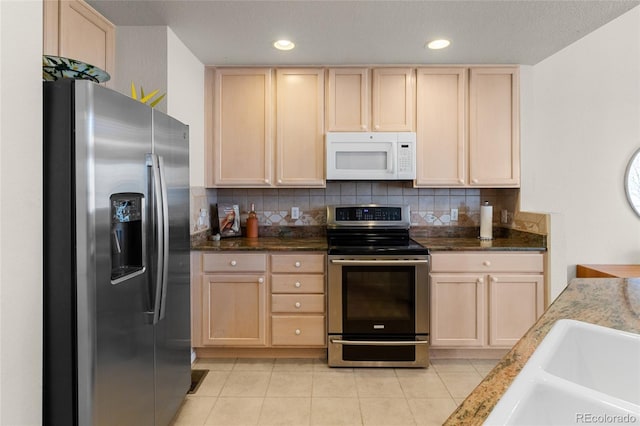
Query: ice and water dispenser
column 127, row 244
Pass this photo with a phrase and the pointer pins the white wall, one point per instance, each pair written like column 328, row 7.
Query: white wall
column 185, row 84
column 20, row 212
column 582, row 127
column 141, row 57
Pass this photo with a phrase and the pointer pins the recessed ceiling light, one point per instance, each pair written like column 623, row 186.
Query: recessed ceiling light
column 284, row 45
column 438, row 44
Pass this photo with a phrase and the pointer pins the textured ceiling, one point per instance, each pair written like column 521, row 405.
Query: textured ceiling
column 330, row 32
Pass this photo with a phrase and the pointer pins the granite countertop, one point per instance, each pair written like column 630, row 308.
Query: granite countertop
column 458, row 239
column 610, row 302
column 264, row 244
column 434, row 238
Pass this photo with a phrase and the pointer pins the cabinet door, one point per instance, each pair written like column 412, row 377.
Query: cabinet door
column 347, row 100
column 494, row 134
column 300, row 127
column 234, row 310
column 242, row 128
column 515, row 303
column 458, row 310
column 393, row 100
column 73, row 29
column 440, row 127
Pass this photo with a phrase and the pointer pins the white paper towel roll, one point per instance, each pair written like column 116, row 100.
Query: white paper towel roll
column 486, row 218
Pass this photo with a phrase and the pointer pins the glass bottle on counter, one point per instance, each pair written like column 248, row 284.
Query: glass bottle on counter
column 252, row 223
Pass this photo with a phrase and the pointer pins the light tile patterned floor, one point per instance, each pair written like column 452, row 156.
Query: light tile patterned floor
column 307, row 392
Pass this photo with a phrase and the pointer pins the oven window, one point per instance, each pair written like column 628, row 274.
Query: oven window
column 378, row 299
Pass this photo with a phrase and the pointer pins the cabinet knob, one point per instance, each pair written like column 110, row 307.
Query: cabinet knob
column 260, row 280
column 480, row 280
column 486, row 263
column 377, row 127
column 298, row 332
column 279, row 180
column 233, row 263
column 298, row 305
column 297, row 284
column 297, row 264
column 363, row 126
column 461, row 180
column 474, row 180
column 494, row 279
column 266, row 181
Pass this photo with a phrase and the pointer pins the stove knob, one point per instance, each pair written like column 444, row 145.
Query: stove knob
column 298, row 332
column 298, row 305
column 298, row 264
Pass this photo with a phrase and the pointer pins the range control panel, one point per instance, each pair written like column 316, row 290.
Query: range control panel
column 367, row 214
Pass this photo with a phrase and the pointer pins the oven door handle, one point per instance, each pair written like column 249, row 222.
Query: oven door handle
column 379, row 261
column 378, row 342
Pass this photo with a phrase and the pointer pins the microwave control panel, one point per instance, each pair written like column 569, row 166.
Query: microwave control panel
column 405, row 158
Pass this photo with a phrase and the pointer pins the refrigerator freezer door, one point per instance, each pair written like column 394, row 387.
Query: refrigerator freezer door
column 115, row 338
column 173, row 331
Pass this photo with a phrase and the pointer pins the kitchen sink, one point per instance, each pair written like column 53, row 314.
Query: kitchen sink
column 580, row 373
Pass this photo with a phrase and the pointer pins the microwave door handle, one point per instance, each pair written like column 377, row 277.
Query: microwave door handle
column 392, row 159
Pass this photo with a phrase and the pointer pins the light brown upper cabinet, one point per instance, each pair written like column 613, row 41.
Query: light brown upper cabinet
column 348, row 100
column 262, row 132
column 441, row 154
column 494, row 130
column 385, row 105
column 241, row 124
column 73, row 29
column 467, row 127
column 300, row 127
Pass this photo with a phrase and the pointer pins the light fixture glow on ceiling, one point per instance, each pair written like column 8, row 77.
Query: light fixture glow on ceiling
column 284, row 45
column 438, row 44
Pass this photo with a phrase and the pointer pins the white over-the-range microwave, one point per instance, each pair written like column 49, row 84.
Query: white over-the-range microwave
column 371, row 155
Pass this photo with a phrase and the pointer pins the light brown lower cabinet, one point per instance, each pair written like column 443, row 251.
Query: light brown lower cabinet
column 234, row 310
column 484, row 300
column 258, row 300
column 298, row 303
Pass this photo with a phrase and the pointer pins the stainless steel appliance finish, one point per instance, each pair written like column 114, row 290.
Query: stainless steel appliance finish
column 116, row 259
column 378, row 300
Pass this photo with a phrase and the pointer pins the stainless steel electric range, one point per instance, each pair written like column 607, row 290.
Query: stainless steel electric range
column 378, row 289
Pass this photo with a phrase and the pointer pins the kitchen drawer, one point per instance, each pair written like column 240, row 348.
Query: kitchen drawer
column 486, row 262
column 297, row 283
column 303, row 263
column 298, row 330
column 297, row 303
column 234, row 262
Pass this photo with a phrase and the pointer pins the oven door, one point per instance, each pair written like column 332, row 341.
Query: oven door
column 378, row 310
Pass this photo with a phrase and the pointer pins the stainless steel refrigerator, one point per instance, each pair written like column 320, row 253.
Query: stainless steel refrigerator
column 116, row 259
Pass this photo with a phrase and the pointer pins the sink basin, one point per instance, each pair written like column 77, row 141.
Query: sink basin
column 580, row 373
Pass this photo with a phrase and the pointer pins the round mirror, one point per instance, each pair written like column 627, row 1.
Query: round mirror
column 632, row 182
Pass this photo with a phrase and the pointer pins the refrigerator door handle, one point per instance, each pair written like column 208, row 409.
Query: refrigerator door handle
column 153, row 162
column 165, row 238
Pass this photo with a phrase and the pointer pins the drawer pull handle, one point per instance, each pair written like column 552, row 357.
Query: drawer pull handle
column 233, row 263
column 486, row 263
column 297, row 264
column 298, row 332
column 297, row 284
column 298, row 305
column 260, row 280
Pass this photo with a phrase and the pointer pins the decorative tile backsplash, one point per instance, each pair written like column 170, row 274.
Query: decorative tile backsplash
column 429, row 207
